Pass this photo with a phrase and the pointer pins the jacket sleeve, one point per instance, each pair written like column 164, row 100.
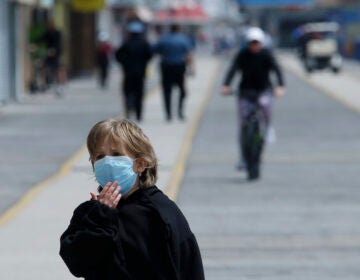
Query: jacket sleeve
column 234, row 67
column 191, row 267
column 149, row 52
column 58, row 44
column 91, row 238
column 120, row 55
column 275, row 66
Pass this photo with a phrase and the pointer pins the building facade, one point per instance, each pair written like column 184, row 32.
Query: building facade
column 6, row 80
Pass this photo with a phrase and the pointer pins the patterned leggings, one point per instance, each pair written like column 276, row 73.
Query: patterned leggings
column 264, row 100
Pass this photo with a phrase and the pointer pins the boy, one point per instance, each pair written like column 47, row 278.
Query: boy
column 131, row 230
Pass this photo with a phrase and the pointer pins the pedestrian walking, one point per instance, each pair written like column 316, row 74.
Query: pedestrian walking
column 130, row 230
column 53, row 70
column 255, row 63
column 175, row 51
column 103, row 52
column 134, row 55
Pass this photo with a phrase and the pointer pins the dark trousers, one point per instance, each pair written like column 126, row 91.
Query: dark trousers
column 51, row 71
column 133, row 89
column 173, row 75
column 103, row 74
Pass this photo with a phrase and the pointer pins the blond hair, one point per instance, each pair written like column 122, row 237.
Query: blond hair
column 134, row 139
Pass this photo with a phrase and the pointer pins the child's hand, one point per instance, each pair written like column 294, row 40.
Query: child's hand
column 279, row 91
column 109, row 196
column 226, row 90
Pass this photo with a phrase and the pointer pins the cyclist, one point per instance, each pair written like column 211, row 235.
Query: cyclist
column 54, row 72
column 255, row 62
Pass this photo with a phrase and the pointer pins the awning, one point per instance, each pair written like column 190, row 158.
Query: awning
column 88, row 5
column 182, row 14
column 144, row 13
column 26, row 2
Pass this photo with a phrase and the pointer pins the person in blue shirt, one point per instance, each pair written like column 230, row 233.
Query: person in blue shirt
column 175, row 52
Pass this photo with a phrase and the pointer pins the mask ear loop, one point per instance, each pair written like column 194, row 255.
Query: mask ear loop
column 147, row 167
column 141, row 175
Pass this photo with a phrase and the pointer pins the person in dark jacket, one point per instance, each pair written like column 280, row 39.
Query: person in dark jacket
column 255, row 63
column 134, row 56
column 131, row 229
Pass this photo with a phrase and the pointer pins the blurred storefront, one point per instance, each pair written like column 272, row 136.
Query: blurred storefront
column 75, row 19
column 27, row 22
column 16, row 17
column 6, row 82
column 23, row 22
column 349, row 35
column 82, row 38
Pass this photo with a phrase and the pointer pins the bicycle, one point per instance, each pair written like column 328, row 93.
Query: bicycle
column 37, row 81
column 253, row 134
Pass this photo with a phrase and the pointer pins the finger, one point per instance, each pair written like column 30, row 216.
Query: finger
column 110, row 195
column 115, row 193
column 117, row 199
column 117, row 190
column 112, row 187
column 105, row 192
column 115, row 184
column 105, row 189
column 93, row 196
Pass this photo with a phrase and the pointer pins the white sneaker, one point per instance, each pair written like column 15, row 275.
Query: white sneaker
column 59, row 92
column 241, row 166
column 271, row 135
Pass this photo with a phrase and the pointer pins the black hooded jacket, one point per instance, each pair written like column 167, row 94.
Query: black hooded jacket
column 134, row 56
column 255, row 69
column 145, row 238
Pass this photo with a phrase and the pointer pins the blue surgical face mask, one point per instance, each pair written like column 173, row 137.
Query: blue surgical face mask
column 116, row 168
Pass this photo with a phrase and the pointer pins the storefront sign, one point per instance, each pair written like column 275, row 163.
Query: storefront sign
column 267, row 3
column 26, row 2
column 88, row 5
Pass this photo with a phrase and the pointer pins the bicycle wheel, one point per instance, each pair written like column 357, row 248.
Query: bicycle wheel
column 252, row 144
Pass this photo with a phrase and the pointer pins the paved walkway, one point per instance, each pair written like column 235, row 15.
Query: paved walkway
column 300, row 221
column 29, row 232
column 343, row 86
column 41, row 132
